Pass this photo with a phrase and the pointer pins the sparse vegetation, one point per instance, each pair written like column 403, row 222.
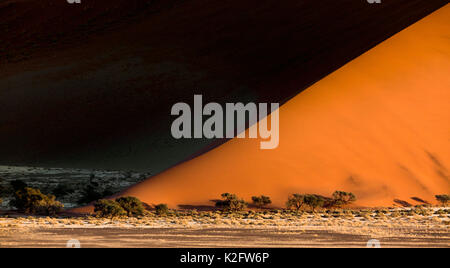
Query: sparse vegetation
column 32, row 201
column 443, row 199
column 295, row 201
column 395, row 214
column 231, row 203
column 298, row 201
column 388, row 221
column 341, row 198
column 366, row 221
column 314, row 201
column 108, row 209
column 261, row 201
column 161, row 209
column 132, row 205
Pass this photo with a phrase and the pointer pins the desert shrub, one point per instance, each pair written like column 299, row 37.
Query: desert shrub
column 365, row 215
column 444, row 199
column 52, row 207
column 231, row 203
column 423, row 211
column 132, row 205
column 380, row 215
column 382, row 211
column 296, row 202
column 161, row 209
column 410, row 212
column 32, row 201
column 395, row 214
column 341, row 198
column 261, row 201
column 313, row 201
column 440, row 212
column 108, row 209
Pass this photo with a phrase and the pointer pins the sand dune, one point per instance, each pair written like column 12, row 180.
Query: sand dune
column 91, row 85
column 378, row 127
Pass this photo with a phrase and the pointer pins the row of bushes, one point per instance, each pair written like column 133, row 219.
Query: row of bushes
column 32, row 201
column 131, row 206
column 231, row 202
column 89, row 193
column 125, row 206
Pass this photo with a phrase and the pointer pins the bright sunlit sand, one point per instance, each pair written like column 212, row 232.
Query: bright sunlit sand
column 378, row 127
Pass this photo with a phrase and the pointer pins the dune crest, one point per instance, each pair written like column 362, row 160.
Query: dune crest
column 378, row 127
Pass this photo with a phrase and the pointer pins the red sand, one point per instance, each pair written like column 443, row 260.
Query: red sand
column 378, row 127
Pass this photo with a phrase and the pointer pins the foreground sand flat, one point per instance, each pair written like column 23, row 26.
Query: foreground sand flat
column 211, row 229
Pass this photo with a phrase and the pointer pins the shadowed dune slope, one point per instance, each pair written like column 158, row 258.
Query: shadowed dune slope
column 378, row 127
column 91, row 85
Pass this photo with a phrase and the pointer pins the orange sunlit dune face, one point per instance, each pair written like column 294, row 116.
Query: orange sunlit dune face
column 378, row 127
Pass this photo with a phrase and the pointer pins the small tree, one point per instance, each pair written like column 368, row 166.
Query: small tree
column 314, row 201
column 51, row 206
column 108, row 209
column 231, row 203
column 295, row 201
column 32, row 201
column 341, row 198
column 161, row 209
column 443, row 199
column 261, row 201
column 131, row 205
